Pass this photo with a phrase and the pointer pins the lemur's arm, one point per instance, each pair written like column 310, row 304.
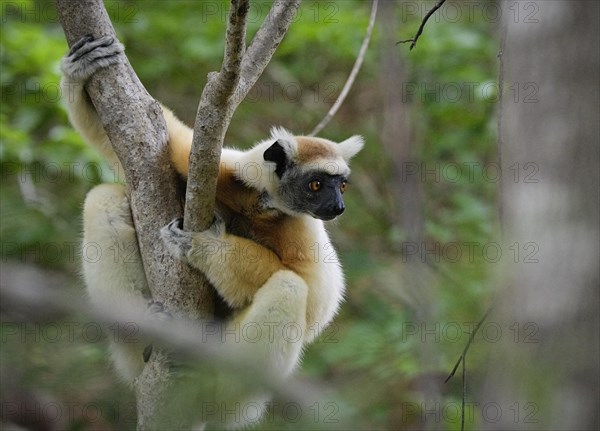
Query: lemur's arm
column 84, row 59
column 237, row 267
column 249, row 264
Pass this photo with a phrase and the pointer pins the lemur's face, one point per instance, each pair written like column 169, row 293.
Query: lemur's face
column 313, row 192
column 311, row 180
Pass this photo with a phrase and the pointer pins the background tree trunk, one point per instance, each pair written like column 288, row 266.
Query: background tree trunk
column 544, row 372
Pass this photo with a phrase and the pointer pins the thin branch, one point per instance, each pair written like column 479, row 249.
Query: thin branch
column 212, row 120
column 463, row 359
column 357, row 65
column 422, row 26
column 222, row 94
column 235, row 45
column 263, row 45
column 466, row 349
column 464, row 393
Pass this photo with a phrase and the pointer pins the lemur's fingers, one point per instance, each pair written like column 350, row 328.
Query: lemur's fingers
column 91, row 45
column 85, row 39
column 89, row 55
column 217, row 228
column 177, row 241
column 156, row 310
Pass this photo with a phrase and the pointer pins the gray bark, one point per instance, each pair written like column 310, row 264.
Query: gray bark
column 212, row 120
column 135, row 126
column 221, row 96
column 139, row 140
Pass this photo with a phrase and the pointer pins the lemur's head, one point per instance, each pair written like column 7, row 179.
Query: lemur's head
column 307, row 175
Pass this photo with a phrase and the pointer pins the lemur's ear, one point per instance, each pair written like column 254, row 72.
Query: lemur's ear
column 276, row 153
column 351, row 146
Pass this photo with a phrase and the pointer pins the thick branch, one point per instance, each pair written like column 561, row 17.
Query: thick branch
column 212, row 120
column 37, row 303
column 139, row 139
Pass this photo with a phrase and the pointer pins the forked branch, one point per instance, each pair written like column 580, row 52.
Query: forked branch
column 223, row 93
column 263, row 45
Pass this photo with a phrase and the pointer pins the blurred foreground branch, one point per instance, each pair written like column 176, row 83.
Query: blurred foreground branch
column 195, row 340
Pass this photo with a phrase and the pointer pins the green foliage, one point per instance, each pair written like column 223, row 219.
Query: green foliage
column 47, row 169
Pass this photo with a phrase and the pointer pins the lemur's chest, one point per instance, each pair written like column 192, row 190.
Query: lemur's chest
column 285, row 236
column 245, row 215
column 301, row 243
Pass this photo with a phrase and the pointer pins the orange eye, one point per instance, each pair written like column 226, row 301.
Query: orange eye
column 343, row 186
column 315, row 185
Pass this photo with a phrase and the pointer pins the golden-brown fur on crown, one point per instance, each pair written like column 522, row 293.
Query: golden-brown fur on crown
column 311, row 149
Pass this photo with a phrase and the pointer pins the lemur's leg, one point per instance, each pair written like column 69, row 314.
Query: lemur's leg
column 273, row 328
column 269, row 336
column 236, row 266
column 113, row 269
column 271, row 299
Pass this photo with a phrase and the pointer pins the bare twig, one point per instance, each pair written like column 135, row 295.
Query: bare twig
column 462, row 359
column 499, row 110
column 357, row 65
column 422, row 26
column 466, row 349
column 464, row 393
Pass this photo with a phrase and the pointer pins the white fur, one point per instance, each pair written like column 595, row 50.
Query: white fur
column 284, row 136
column 112, row 266
column 251, row 167
column 350, row 147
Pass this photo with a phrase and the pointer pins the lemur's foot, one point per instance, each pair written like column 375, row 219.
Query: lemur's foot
column 89, row 55
column 216, row 229
column 177, row 241
column 156, row 311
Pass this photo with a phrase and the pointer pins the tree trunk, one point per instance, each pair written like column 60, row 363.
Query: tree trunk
column 544, row 372
column 139, row 139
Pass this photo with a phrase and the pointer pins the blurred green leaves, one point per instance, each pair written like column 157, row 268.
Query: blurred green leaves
column 173, row 45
